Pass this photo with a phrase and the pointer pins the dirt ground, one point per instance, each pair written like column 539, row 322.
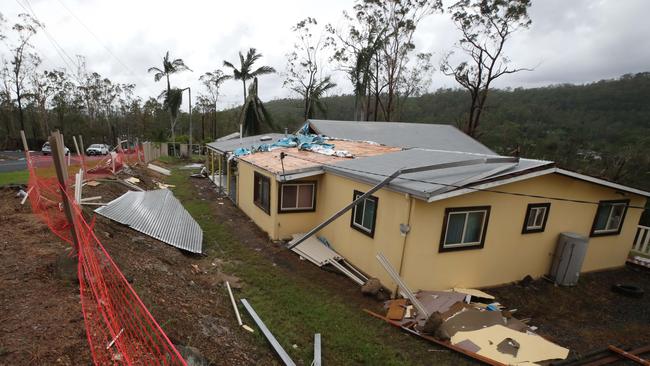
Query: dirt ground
column 589, row 316
column 185, row 294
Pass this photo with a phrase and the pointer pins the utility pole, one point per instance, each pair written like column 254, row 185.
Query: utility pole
column 189, row 104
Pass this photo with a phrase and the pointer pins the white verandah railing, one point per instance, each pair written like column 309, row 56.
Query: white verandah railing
column 642, row 240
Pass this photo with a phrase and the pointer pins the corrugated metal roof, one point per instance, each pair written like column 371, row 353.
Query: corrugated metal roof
column 247, row 142
column 374, row 169
column 406, row 135
column 158, row 214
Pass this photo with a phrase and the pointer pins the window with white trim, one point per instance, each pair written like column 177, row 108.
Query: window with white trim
column 300, row 196
column 609, row 217
column 364, row 214
column 464, row 228
column 536, row 216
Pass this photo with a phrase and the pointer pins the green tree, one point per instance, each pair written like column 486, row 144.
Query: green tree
column 245, row 71
column 170, row 96
column 253, row 113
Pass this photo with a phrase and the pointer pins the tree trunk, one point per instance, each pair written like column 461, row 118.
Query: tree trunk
column 244, row 82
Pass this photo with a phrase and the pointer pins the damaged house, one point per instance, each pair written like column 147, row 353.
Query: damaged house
column 460, row 215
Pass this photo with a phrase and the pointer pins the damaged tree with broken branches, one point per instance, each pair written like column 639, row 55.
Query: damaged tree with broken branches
column 486, row 26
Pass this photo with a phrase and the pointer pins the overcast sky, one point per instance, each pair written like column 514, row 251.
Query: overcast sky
column 574, row 41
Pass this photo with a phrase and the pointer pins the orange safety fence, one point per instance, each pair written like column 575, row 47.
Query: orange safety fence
column 119, row 328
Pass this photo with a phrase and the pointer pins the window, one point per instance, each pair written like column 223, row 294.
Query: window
column 609, row 218
column 464, row 228
column 535, row 220
column 262, row 192
column 297, row 197
column 364, row 214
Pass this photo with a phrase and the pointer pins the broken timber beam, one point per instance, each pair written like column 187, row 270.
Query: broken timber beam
column 629, row 356
column 471, row 354
column 396, row 174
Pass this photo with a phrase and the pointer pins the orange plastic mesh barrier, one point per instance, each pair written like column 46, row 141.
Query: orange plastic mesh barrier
column 119, row 328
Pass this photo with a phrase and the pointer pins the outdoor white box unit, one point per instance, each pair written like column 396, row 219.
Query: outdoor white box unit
column 567, row 261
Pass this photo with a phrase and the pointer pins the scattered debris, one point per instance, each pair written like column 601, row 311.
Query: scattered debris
column 486, row 332
column 158, row 214
column 159, row 169
column 234, row 304
column 133, row 180
column 640, row 261
column 319, row 254
column 164, row 186
column 92, row 183
column 269, row 336
column 473, row 292
column 192, row 166
column 371, row 287
column 628, row 290
column 317, row 350
column 532, row 348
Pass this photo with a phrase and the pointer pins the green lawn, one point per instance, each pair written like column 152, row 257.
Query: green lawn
column 294, row 308
column 19, row 177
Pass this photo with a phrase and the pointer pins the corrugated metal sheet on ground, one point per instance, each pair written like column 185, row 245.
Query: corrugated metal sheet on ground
column 158, row 214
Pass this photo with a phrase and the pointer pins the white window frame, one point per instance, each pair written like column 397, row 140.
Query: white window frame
column 298, row 185
column 355, row 224
column 462, row 244
column 609, row 218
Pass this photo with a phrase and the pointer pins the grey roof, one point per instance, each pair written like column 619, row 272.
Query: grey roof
column 247, row 142
column 158, row 214
column 401, row 134
column 374, row 169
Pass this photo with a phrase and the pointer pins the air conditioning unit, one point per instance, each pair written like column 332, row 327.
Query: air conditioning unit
column 567, row 261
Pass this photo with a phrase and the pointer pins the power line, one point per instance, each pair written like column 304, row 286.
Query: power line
column 463, row 187
column 59, row 50
column 98, row 40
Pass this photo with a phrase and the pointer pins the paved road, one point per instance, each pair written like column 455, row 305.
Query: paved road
column 15, row 162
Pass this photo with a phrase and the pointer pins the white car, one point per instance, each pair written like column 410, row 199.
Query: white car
column 47, row 149
column 97, row 149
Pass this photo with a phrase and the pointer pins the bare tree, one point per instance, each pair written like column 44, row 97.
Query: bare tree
column 23, row 62
column 304, row 68
column 212, row 82
column 486, row 26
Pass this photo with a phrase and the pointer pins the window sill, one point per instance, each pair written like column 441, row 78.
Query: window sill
column 605, row 233
column 362, row 231
column 443, row 249
column 266, row 210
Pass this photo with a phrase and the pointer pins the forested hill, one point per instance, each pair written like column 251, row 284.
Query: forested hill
column 602, row 128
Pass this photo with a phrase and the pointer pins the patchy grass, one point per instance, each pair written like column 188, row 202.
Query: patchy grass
column 18, row 177
column 295, row 308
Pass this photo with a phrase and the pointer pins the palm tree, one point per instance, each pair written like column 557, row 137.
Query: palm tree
column 169, row 67
column 253, row 113
column 312, row 97
column 170, row 95
column 245, row 71
column 172, row 100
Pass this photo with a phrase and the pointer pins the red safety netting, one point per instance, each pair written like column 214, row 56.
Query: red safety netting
column 119, row 328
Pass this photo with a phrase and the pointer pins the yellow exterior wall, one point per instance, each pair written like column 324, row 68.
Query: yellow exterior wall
column 358, row 248
column 245, row 184
column 508, row 255
column 277, row 225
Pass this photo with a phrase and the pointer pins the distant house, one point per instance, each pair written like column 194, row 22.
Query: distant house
column 469, row 225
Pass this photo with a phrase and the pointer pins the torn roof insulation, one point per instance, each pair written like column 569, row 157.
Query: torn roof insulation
column 303, row 160
column 157, row 214
column 401, row 134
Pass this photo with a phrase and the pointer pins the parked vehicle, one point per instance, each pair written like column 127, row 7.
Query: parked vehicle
column 47, row 149
column 97, row 149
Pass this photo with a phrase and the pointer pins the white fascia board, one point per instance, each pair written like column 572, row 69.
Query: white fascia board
column 602, row 182
column 298, row 175
column 490, row 185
